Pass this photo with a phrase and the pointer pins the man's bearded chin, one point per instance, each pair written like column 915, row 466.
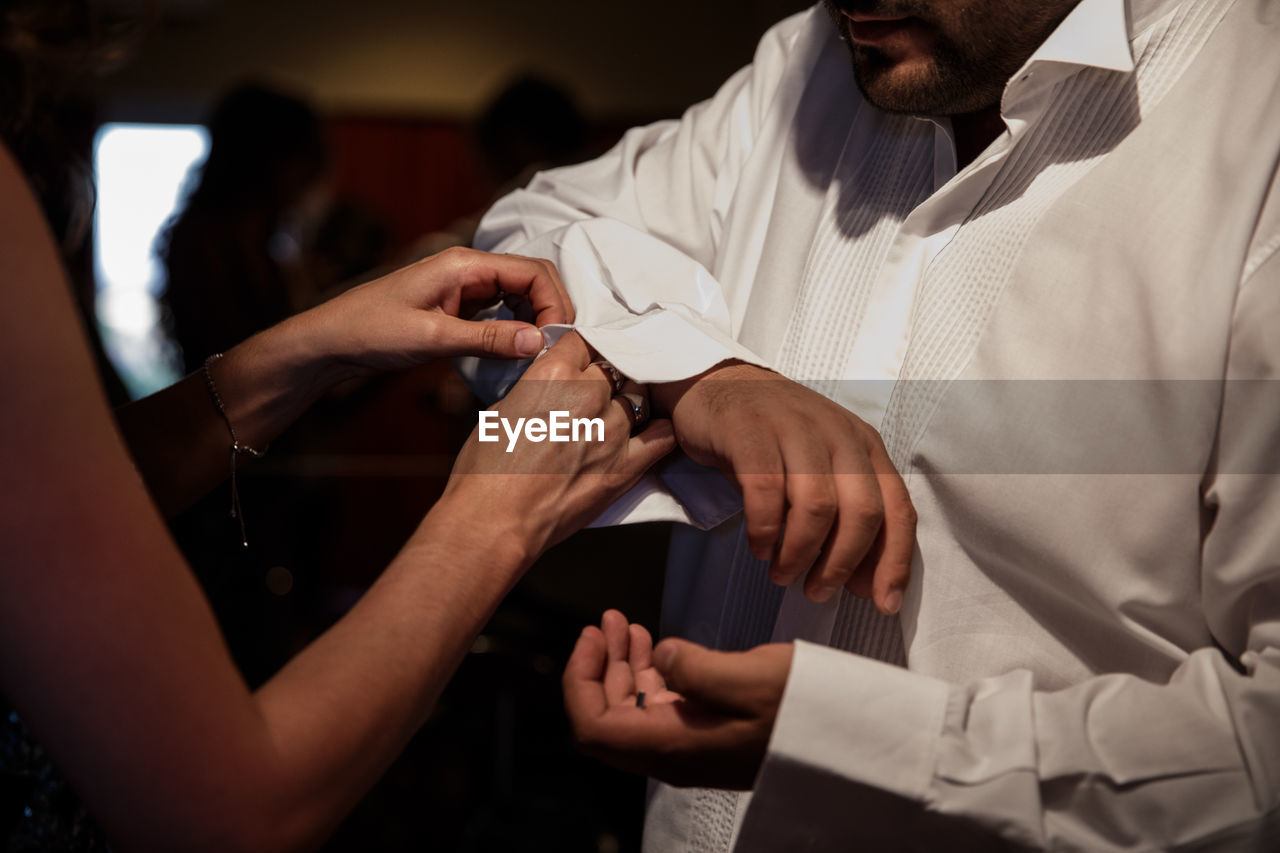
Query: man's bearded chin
column 947, row 82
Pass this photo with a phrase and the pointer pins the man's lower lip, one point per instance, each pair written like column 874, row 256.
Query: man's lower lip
column 879, row 32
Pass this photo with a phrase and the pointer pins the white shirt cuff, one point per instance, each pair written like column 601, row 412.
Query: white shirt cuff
column 873, row 722
column 848, row 727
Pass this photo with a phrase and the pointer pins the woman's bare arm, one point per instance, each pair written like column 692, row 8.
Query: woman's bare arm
column 182, row 446
column 111, row 654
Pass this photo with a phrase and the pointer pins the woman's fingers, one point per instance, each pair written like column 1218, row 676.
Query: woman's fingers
column 559, row 420
column 573, row 350
column 632, row 401
column 485, row 276
column 541, row 299
column 499, row 339
column 644, row 450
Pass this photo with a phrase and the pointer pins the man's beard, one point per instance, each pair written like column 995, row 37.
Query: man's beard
column 947, row 85
column 976, row 49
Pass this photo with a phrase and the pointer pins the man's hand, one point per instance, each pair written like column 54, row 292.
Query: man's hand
column 706, row 717
column 818, row 489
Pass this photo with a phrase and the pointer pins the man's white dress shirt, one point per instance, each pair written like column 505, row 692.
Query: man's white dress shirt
column 1071, row 349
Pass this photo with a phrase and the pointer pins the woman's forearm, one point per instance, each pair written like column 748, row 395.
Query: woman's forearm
column 341, row 711
column 109, row 651
column 180, row 441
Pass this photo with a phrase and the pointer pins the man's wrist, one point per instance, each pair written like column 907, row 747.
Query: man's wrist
column 667, row 395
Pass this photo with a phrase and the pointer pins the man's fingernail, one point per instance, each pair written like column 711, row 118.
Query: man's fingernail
column 528, row 341
column 664, row 655
column 781, row 579
column 893, row 600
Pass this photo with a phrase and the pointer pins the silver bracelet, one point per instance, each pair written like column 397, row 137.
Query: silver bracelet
column 236, row 447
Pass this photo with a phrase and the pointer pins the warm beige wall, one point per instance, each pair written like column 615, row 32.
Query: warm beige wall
column 446, row 58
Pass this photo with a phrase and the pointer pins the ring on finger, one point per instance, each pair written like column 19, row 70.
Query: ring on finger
column 637, row 407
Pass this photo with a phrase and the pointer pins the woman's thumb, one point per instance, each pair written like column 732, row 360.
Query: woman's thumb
column 495, row 339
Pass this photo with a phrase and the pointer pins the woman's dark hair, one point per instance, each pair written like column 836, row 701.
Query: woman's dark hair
column 47, row 49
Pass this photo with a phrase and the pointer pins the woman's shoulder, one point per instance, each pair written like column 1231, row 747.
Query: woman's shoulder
column 26, row 243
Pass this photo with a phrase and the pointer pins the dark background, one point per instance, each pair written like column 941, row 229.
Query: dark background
column 399, row 84
column 399, row 81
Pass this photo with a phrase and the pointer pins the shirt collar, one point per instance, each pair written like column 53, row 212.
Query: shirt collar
column 1094, row 34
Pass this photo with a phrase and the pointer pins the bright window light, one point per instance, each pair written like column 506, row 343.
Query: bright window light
column 141, row 170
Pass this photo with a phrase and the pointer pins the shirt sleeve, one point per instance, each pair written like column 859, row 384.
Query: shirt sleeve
column 866, row 751
column 634, row 234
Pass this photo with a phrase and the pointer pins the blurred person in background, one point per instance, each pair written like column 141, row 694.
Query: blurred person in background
column 123, row 716
column 237, row 256
column 531, row 124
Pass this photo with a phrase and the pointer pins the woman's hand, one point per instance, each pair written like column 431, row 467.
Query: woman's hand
column 706, row 717
column 531, row 492
column 178, row 439
column 419, row 312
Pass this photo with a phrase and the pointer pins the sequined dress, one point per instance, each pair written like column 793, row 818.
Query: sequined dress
column 39, row 810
